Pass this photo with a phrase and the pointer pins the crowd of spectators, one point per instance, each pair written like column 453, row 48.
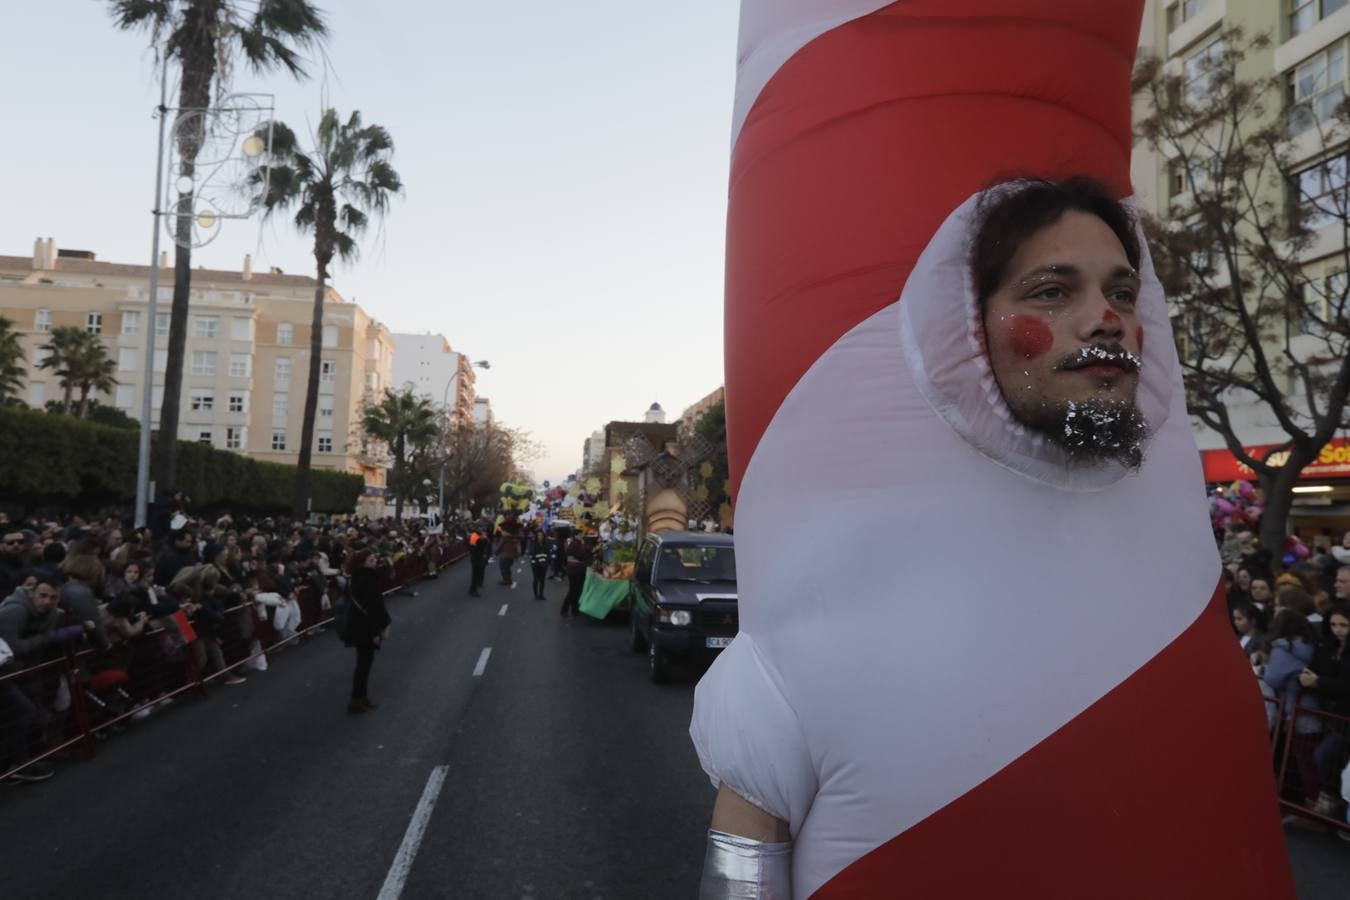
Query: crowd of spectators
column 1294, row 629
column 148, row 603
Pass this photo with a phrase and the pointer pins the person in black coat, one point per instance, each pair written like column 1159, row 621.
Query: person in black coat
column 367, row 621
column 1329, row 676
column 480, row 548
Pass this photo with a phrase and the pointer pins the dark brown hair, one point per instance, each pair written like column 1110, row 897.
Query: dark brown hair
column 1011, row 214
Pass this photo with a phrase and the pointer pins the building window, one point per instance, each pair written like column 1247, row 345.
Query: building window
column 203, row 362
column 325, row 443
column 38, row 394
column 131, row 322
column 125, row 397
column 1304, row 14
column 234, row 438
column 283, row 370
column 1316, row 88
column 328, row 371
column 203, row 327
column 281, row 406
column 161, row 362
column 161, row 324
column 278, row 440
column 43, row 320
column 236, row 403
column 325, row 407
column 372, row 381
column 239, row 365
column 93, row 323
column 204, row 436
column 1321, row 193
column 203, row 400
column 241, row 329
column 285, row 334
column 330, row 335
column 1198, row 71
column 126, row 360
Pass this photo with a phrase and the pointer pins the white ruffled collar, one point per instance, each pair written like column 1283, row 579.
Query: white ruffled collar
column 942, row 340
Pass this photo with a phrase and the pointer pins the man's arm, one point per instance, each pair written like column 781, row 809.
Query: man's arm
column 749, row 852
column 733, row 814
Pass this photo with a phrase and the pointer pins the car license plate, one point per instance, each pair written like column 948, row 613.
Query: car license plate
column 718, row 643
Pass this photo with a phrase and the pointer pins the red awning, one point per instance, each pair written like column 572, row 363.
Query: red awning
column 1332, row 462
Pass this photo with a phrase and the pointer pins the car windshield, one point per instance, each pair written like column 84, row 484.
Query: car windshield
column 705, row 564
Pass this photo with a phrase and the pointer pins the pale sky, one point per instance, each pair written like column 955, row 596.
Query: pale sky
column 565, row 164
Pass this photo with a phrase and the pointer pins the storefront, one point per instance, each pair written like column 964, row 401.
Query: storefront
column 1322, row 497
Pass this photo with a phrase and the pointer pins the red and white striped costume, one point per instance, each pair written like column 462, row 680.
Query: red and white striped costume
column 964, row 670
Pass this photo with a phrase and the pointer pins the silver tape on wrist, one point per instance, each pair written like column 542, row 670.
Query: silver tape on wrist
column 738, row 868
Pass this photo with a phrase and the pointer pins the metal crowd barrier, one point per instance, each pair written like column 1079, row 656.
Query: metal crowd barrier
column 83, row 696
column 1312, row 750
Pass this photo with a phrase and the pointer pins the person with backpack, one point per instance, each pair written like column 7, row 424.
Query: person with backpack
column 578, row 561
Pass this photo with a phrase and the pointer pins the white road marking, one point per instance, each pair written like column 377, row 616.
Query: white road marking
column 482, row 662
column 502, row 611
column 412, row 838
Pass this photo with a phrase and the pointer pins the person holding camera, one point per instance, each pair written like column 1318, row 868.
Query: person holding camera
column 367, row 622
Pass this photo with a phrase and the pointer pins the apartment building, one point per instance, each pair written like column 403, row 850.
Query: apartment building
column 1308, row 57
column 247, row 356
column 426, row 365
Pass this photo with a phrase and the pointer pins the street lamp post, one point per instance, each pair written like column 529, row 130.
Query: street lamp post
column 445, row 399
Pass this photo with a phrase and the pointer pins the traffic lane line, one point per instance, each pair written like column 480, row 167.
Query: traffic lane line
column 482, row 662
column 392, row 888
column 502, row 611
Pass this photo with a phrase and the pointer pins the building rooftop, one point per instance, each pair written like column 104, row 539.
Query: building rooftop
column 87, row 265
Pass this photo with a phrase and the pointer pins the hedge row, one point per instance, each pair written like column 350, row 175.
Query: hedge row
column 46, row 457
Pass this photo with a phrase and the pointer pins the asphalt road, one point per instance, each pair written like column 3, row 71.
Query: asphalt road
column 566, row 773
column 561, row 772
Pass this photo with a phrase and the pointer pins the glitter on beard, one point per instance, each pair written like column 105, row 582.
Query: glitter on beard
column 1093, row 432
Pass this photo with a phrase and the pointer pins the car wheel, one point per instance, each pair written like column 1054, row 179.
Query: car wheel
column 639, row 643
column 658, row 666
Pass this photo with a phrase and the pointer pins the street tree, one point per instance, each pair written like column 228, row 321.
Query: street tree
column 479, row 459
column 205, row 38
column 335, row 187
column 12, row 371
column 406, row 425
column 1253, row 253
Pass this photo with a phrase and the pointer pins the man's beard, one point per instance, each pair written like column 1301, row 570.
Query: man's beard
column 1092, row 432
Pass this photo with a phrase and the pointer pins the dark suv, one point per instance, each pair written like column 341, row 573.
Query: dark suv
column 683, row 597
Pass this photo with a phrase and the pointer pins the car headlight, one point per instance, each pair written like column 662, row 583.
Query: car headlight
column 680, row 617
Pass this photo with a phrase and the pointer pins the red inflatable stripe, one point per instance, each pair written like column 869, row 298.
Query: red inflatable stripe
column 1057, row 824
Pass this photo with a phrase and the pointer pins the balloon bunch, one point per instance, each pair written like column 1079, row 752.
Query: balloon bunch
column 1295, row 550
column 1235, row 506
column 515, row 498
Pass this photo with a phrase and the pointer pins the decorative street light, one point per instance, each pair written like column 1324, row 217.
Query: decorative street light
column 230, row 144
column 445, row 399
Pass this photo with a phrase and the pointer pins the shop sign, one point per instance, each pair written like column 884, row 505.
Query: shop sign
column 1332, row 462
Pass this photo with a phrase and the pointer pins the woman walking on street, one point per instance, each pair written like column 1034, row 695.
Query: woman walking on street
column 367, row 622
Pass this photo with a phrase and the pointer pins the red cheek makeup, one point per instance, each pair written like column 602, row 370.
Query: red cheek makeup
column 1029, row 336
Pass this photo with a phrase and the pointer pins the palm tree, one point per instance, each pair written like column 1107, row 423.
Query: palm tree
column 64, row 349
column 11, row 355
column 205, row 37
column 94, row 372
column 406, row 425
column 335, row 188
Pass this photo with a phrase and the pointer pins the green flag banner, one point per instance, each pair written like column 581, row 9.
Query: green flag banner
column 601, row 595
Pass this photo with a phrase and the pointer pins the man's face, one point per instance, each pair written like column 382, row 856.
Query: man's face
column 1065, row 342
column 13, row 543
column 1343, row 584
column 44, row 597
